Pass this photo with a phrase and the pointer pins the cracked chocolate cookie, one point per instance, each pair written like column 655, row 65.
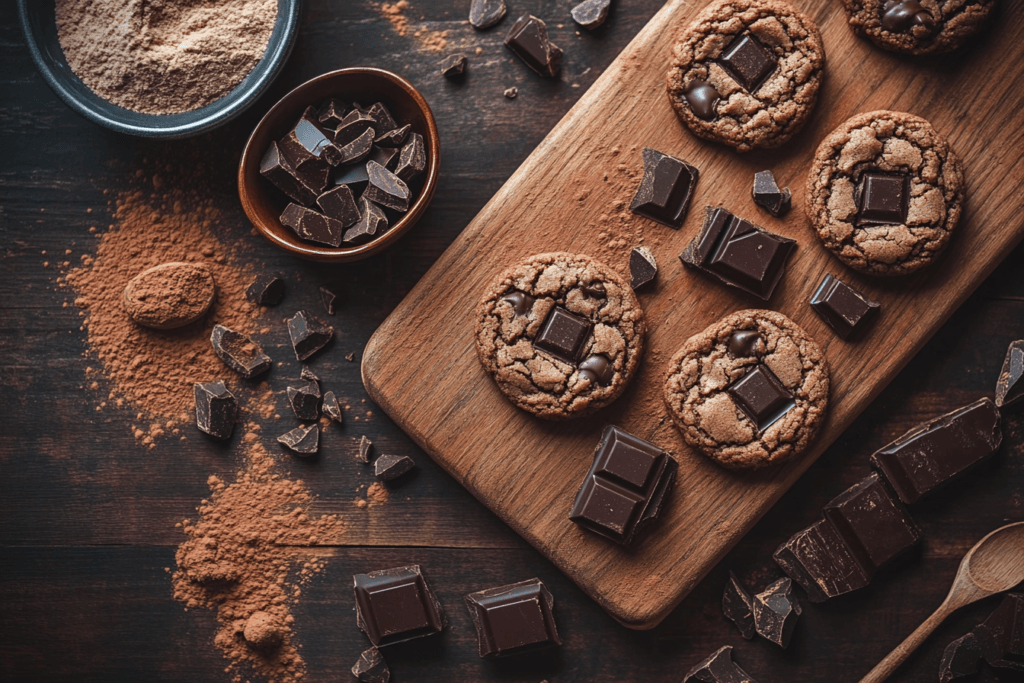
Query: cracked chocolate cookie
column 749, row 391
column 561, row 334
column 885, row 193
column 746, row 73
column 918, row 27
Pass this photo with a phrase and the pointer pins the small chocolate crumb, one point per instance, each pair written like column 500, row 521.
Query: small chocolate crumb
column 332, row 408
column 768, row 196
column 238, row 352
column 511, row 92
column 308, row 374
column 329, row 299
column 302, row 440
column 350, row 357
column 365, row 449
column 308, row 334
column 453, row 66
column 371, row 667
column 388, row 467
column 591, row 13
column 305, row 401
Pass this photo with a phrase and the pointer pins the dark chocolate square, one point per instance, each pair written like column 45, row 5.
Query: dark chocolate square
column 841, row 306
column 761, row 395
column 394, row 605
column 748, row 61
column 819, row 560
column 882, row 198
column 513, row 619
column 665, row 191
column 563, row 335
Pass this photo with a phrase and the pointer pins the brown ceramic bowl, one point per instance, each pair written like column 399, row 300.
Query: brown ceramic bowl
column 263, row 203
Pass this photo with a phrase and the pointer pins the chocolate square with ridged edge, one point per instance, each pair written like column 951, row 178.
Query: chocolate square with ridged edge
column 821, row 562
column 395, row 605
column 883, row 198
column 514, row 618
column 625, row 487
column 563, row 335
column 842, row 307
column 747, row 60
column 761, row 395
column 665, row 191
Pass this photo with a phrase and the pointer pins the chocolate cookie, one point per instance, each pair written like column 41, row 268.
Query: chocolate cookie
column 749, row 391
column 918, row 27
column 885, row 192
column 746, row 73
column 561, row 334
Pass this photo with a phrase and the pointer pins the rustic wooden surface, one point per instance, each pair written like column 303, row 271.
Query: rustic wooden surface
column 422, row 367
column 87, row 515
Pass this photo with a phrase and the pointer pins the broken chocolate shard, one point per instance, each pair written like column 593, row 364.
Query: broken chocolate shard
column 511, row 93
column 388, row 467
column 768, row 196
column 702, row 98
column 312, row 225
column 331, row 114
column 528, row 40
column 372, row 223
column 371, row 667
column 738, row 253
column 453, row 66
column 395, row 605
column 960, row 659
column 1001, row 636
column 882, row 198
column 932, row 454
column 718, row 668
column 302, row 440
column 748, row 61
column 355, row 123
column 358, row 149
column 486, row 13
column 385, row 188
column 305, row 401
column 340, row 204
column 412, row 160
column 238, row 352
column 597, row 369
column 393, row 138
column 665, row 191
column 776, row 611
column 1010, row 385
column 522, row 303
column 746, row 344
column 216, row 409
column 820, row 561
column 329, row 299
column 275, row 168
column 308, row 375
column 332, row 408
column 563, row 335
column 591, row 13
column 365, row 449
column 265, row 290
column 382, row 119
column 762, row 396
column 513, row 619
column 738, row 606
column 308, row 141
column 308, row 334
column 643, row 267
column 842, row 307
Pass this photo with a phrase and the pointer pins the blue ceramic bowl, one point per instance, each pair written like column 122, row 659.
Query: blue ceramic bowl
column 40, row 29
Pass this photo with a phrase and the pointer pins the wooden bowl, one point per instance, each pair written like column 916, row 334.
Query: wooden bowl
column 263, row 203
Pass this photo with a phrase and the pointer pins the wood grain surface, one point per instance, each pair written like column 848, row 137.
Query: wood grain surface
column 421, row 365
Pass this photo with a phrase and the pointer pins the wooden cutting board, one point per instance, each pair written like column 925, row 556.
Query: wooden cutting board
column 421, row 365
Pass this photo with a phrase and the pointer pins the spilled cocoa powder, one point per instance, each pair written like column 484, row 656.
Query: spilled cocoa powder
column 428, row 40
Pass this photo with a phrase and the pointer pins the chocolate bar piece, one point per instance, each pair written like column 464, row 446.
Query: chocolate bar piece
column 821, row 562
column 738, row 253
column 1010, row 386
column 313, row 226
column 308, row 334
column 718, row 668
column 768, row 196
column 238, row 352
column 591, row 13
column 932, row 454
column 528, row 40
column 305, row 400
column 358, row 149
column 395, row 605
column 452, row 66
column 412, row 160
column 625, row 488
column 265, row 290
column 776, row 611
column 702, row 98
column 302, row 440
column 332, row 408
column 643, row 267
column 882, row 198
column 339, row 203
column 371, row 667
column 1001, row 636
column 365, row 449
column 372, row 223
column 749, row 62
column 762, row 396
column 513, row 619
column 665, row 191
column 331, row 113
column 842, row 307
column 308, row 141
column 738, row 606
column 385, row 188
column 486, row 13
column 960, row 659
column 276, row 168
column 355, row 123
column 563, row 335
column 216, row 409
column 393, row 138
column 388, row 467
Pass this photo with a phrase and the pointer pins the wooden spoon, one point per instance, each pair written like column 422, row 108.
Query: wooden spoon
column 995, row 564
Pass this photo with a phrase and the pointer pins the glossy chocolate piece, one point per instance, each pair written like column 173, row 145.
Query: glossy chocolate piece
column 340, row 204
column 1001, row 636
column 1010, row 385
column 216, row 409
column 594, row 290
column 591, row 13
column 355, row 176
column 960, row 659
column 819, row 559
column 275, row 168
column 513, row 619
column 355, row 123
column 305, row 400
column 393, row 138
column 308, row 334
column 665, row 191
column 382, row 118
column 372, row 223
column 842, row 307
column 746, row 344
column 625, row 488
column 238, row 352
column 522, row 303
column 412, row 160
column 718, row 668
column 388, row 467
column 702, row 98
column 265, row 290
column 365, row 449
column 371, row 667
column 643, row 267
column 932, row 454
column 900, row 16
column 597, row 368
column 329, row 298
column 761, row 395
column 302, row 440
column 331, row 114
column 882, row 198
column 738, row 253
column 528, row 40
column 312, row 225
column 359, row 149
column 776, row 611
column 768, row 196
column 395, row 605
column 563, row 335
column 748, row 61
column 308, row 141
column 332, row 408
column 385, row 188
column 453, row 66
column 486, row 13
column 738, row 606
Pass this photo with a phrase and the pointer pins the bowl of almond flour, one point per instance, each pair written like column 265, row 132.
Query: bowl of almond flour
column 159, row 68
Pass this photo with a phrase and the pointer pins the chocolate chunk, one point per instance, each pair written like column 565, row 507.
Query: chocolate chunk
column 1001, row 636
column 748, row 61
column 216, row 409
column 308, row 334
column 486, row 13
column 776, row 611
column 265, row 290
column 820, row 561
column 329, row 299
column 302, row 440
column 597, row 368
column 308, row 141
column 513, row 619
column 960, row 659
column 841, row 306
column 702, row 98
column 595, row 290
column 339, row 203
column 643, row 267
column 312, row 225
column 358, row 149
column 238, row 352
column 395, row 605
column 625, row 488
column 383, row 121
column 331, row 114
column 665, row 191
column 768, row 196
column 900, row 16
column 305, row 400
column 371, row 667
column 522, row 303
column 719, row 668
column 746, row 344
column 591, row 13
column 528, row 40
column 388, row 467
column 385, row 188
column 563, row 335
column 393, row 138
column 355, row 123
column 332, row 408
column 882, row 198
column 511, row 93
column 355, row 176
column 275, row 168
column 350, row 357
column 761, row 395
column 738, row 606
column 372, row 223
column 453, row 65
column 413, row 158
column 365, row 449
column 738, row 253
column 932, row 454
column 1010, row 386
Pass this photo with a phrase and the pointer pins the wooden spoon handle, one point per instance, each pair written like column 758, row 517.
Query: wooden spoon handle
column 887, row 666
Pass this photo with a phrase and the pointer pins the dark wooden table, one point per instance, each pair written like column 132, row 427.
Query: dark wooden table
column 87, row 515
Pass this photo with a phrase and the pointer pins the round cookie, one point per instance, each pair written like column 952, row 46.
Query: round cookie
column 918, row 27
column 885, row 193
column 749, row 391
column 561, row 334
column 746, row 73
